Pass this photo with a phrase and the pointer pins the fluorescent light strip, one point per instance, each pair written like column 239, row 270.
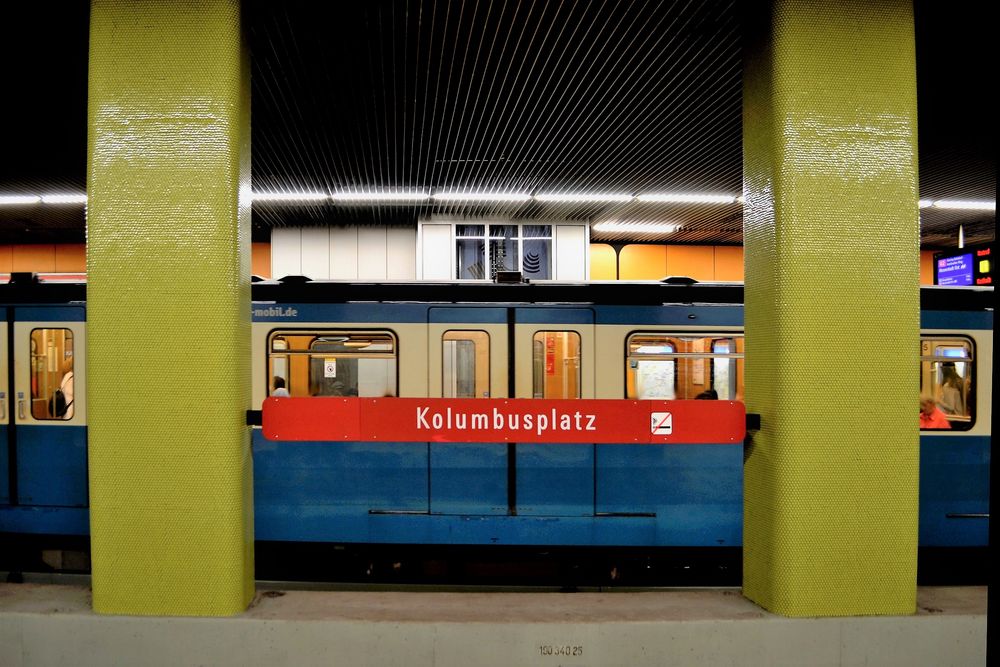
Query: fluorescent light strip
column 925, row 203
column 668, row 198
column 289, row 196
column 15, row 200
column 966, row 204
column 636, row 227
column 380, row 195
column 481, row 196
column 583, row 198
column 64, row 199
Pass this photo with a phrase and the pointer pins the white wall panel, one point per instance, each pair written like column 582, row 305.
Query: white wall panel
column 344, row 253
column 286, row 252
column 316, row 252
column 371, row 253
column 571, row 252
column 401, row 253
column 435, row 252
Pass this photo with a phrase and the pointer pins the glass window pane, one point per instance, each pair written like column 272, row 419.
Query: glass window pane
column 536, row 231
column 503, row 231
column 537, row 263
column 503, row 256
column 666, row 367
column 465, row 360
column 52, row 374
column 469, row 258
column 470, row 230
column 556, row 364
column 343, row 363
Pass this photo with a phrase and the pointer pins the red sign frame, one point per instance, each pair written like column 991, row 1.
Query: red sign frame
column 520, row 420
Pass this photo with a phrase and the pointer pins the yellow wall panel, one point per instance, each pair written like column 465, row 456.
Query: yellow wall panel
column 168, row 169
column 729, row 263
column 603, row 262
column 642, row 262
column 693, row 261
column 830, row 180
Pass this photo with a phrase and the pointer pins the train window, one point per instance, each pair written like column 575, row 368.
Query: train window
column 482, row 250
column 667, row 366
column 465, row 363
column 556, row 364
column 52, row 374
column 946, row 377
column 332, row 363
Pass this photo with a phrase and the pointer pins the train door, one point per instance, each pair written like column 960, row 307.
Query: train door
column 467, row 358
column 5, row 389
column 554, row 359
column 47, row 401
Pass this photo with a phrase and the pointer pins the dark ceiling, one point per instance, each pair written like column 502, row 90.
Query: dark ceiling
column 497, row 95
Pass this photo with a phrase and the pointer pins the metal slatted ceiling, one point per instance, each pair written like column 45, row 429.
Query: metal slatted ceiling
column 496, row 95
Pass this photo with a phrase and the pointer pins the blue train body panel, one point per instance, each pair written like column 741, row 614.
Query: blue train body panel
column 4, row 467
column 954, row 490
column 52, row 465
column 629, row 495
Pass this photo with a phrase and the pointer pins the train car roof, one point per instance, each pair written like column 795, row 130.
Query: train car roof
column 30, row 288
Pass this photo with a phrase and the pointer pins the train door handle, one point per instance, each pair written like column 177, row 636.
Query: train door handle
column 3, row 405
column 20, row 409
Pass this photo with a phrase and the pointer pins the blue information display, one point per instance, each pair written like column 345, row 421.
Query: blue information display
column 955, row 270
column 972, row 265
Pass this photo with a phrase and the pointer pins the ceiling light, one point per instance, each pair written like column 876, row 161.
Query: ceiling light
column 19, row 199
column 64, row 199
column 481, row 196
column 582, row 197
column 637, row 227
column 687, row 199
column 966, row 204
column 289, row 196
column 380, row 195
column 925, row 203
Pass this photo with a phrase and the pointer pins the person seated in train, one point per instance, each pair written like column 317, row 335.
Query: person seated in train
column 930, row 415
column 66, row 387
column 279, row 387
column 707, row 395
column 952, row 399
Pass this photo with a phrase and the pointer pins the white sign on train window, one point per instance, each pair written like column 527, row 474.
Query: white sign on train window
column 329, row 368
column 662, row 423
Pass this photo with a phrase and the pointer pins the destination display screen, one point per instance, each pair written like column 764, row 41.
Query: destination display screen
column 967, row 266
column 955, row 270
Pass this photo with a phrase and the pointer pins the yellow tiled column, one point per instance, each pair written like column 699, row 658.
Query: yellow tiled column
column 832, row 307
column 168, row 261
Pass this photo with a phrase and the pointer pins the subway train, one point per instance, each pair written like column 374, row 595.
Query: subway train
column 370, row 507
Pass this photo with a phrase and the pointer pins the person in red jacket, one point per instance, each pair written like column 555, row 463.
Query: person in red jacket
column 931, row 416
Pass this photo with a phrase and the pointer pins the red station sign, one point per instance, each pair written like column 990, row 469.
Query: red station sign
column 519, row 420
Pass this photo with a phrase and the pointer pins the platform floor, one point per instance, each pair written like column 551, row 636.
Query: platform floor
column 44, row 624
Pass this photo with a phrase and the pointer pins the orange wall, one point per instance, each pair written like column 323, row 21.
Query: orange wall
column 722, row 263
column 44, row 258
column 926, row 267
column 603, row 262
column 635, row 262
column 260, row 259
